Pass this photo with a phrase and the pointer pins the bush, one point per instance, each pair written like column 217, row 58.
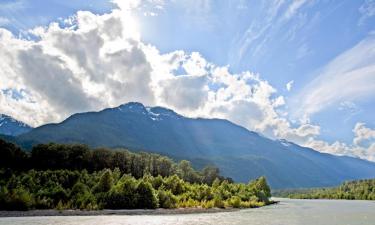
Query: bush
column 123, row 195
column 18, row 199
column 105, row 182
column 234, row 202
column 166, row 199
column 218, row 202
column 146, row 197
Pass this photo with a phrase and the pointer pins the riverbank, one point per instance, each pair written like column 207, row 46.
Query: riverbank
column 54, row 212
column 125, row 212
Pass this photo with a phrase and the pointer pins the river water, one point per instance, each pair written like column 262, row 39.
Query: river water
column 287, row 212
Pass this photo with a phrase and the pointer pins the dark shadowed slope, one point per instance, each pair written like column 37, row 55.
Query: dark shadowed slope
column 238, row 152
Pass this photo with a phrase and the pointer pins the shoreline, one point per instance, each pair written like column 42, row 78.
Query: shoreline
column 107, row 212
column 119, row 212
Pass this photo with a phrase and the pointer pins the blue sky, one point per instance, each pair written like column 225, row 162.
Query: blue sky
column 310, row 44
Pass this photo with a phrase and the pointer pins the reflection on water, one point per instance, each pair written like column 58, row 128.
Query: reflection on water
column 288, row 212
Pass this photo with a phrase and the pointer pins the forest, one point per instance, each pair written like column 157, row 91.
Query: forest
column 350, row 190
column 73, row 176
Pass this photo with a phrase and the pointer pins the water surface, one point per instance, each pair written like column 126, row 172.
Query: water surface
column 288, row 212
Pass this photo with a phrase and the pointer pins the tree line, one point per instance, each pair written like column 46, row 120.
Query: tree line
column 54, row 156
column 350, row 190
column 76, row 177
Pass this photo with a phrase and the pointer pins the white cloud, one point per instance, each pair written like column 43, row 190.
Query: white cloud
column 97, row 62
column 363, row 144
column 352, row 73
column 279, row 101
column 348, row 105
column 362, row 133
column 293, row 8
column 195, row 64
column 272, row 19
column 289, row 85
column 184, row 92
column 127, row 5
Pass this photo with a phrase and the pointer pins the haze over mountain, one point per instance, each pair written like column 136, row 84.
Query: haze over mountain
column 12, row 127
column 238, row 152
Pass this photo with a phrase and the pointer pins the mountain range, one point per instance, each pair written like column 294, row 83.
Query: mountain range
column 238, row 152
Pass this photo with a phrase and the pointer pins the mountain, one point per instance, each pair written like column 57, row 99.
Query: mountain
column 12, row 127
column 238, row 152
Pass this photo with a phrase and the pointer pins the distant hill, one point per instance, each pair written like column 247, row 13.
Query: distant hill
column 12, row 127
column 238, row 152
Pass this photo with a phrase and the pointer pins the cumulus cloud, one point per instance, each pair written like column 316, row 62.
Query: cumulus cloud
column 362, row 133
column 185, row 92
column 363, row 145
column 96, row 62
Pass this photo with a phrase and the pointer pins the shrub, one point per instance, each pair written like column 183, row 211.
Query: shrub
column 218, row 202
column 18, row 199
column 234, row 202
column 166, row 199
column 146, row 197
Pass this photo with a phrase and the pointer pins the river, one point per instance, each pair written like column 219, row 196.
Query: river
column 288, row 212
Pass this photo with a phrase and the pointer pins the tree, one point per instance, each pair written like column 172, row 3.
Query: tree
column 11, row 156
column 101, row 159
column 186, row 172
column 209, row 174
column 166, row 199
column 123, row 195
column 105, row 182
column 146, row 197
column 261, row 184
column 175, row 184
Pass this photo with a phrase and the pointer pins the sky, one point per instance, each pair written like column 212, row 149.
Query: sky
column 297, row 70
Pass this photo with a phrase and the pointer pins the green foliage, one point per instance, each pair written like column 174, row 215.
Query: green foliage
column 146, row 197
column 64, row 189
column 123, row 194
column 61, row 177
column 234, row 202
column 15, row 199
column 358, row 190
column 105, row 182
column 79, row 157
column 175, row 184
column 218, row 202
column 166, row 199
